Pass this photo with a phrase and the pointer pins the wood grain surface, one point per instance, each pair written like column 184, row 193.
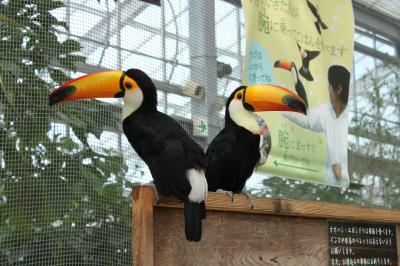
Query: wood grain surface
column 240, row 239
column 142, row 219
column 243, row 204
column 242, row 231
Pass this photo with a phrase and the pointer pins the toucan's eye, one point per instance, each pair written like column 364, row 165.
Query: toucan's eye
column 128, row 85
column 239, row 95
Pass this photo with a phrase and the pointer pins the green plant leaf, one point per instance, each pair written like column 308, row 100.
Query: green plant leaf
column 7, row 92
column 76, row 121
column 9, row 21
column 70, row 46
column 58, row 76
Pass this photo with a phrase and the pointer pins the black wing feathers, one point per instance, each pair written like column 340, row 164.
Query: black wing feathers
column 220, row 151
column 168, row 152
column 194, row 156
column 169, row 170
column 313, row 9
column 301, row 91
column 167, row 149
column 232, row 156
column 319, row 23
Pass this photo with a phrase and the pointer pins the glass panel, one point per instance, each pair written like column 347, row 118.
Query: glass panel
column 386, row 48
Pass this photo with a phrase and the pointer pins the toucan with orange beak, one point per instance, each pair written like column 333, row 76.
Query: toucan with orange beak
column 176, row 162
column 298, row 85
column 245, row 140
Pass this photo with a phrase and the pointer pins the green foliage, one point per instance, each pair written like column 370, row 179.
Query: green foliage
column 61, row 203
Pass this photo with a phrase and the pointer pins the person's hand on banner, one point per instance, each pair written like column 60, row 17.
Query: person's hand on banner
column 337, row 170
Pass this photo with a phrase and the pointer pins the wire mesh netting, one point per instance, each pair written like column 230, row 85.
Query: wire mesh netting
column 66, row 172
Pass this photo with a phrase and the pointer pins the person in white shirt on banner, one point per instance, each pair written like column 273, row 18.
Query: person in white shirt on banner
column 332, row 120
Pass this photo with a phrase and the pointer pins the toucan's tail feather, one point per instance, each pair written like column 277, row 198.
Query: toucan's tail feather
column 194, row 213
column 203, row 210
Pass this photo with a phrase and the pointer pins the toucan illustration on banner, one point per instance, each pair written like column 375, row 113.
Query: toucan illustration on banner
column 318, row 23
column 235, row 151
column 298, row 85
column 176, row 162
column 306, row 57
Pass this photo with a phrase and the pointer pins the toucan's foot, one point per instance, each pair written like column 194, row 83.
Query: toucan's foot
column 155, row 191
column 229, row 193
column 250, row 199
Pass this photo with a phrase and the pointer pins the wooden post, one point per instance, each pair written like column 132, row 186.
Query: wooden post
column 142, row 226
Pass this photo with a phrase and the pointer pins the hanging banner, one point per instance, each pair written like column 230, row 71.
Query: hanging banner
column 307, row 47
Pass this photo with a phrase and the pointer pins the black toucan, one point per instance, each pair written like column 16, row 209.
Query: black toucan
column 235, row 151
column 298, row 85
column 306, row 57
column 318, row 23
column 176, row 162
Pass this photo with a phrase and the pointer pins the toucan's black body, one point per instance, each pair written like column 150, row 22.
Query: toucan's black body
column 305, row 60
column 235, row 151
column 231, row 156
column 167, row 150
column 301, row 91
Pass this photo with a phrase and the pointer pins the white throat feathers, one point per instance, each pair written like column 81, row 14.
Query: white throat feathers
column 132, row 101
column 294, row 74
column 243, row 117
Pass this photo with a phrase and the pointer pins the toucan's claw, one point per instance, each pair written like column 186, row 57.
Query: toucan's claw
column 251, row 202
column 250, row 198
column 227, row 192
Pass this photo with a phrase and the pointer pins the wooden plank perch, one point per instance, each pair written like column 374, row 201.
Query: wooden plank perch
column 226, row 217
column 315, row 209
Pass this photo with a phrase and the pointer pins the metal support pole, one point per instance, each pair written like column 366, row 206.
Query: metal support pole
column 239, row 39
column 163, row 39
column 203, row 61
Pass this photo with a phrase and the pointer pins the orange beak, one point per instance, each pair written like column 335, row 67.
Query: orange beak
column 285, row 64
column 273, row 98
column 105, row 84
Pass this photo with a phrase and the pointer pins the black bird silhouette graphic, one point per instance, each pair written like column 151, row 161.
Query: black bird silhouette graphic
column 306, row 57
column 318, row 23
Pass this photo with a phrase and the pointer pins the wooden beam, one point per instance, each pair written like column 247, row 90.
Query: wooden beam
column 314, row 209
column 142, row 226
